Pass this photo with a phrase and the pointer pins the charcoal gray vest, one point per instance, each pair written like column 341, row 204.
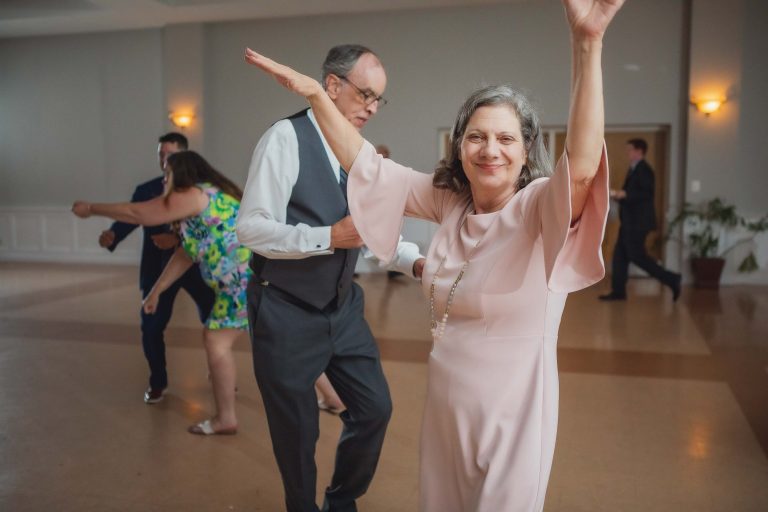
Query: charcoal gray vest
column 316, row 200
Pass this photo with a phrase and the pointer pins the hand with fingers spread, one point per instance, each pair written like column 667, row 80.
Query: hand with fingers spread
column 588, row 19
column 285, row 76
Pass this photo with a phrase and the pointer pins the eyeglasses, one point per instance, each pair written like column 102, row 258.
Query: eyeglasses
column 369, row 97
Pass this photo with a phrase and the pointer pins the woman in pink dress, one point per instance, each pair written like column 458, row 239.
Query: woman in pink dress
column 514, row 239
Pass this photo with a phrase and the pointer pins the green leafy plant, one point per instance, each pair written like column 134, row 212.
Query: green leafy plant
column 709, row 218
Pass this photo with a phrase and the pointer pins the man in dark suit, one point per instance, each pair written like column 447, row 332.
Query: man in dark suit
column 158, row 247
column 637, row 216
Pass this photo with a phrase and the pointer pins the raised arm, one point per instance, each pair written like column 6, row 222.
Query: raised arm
column 588, row 20
column 178, row 205
column 342, row 136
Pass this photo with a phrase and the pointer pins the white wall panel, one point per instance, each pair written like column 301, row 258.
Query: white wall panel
column 27, row 231
column 57, row 232
column 55, row 235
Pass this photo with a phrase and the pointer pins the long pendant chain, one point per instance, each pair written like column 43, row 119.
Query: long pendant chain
column 438, row 327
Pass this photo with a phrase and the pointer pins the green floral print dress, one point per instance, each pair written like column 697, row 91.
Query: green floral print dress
column 210, row 241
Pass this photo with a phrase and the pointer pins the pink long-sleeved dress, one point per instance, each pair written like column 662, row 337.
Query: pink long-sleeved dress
column 490, row 417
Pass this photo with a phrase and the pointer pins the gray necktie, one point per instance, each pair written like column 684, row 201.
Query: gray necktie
column 343, row 182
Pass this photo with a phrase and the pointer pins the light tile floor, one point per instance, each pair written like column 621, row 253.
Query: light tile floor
column 663, row 407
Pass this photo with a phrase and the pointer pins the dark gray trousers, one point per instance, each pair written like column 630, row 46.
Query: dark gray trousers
column 293, row 343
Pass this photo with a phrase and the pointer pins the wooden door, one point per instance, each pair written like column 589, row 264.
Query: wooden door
column 618, row 162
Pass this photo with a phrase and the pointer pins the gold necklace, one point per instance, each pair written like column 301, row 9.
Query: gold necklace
column 438, row 327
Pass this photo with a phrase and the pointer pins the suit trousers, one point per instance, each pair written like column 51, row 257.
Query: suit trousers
column 630, row 248
column 293, row 343
column 153, row 326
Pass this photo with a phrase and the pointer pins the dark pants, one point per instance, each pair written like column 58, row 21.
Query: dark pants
column 293, row 343
column 630, row 248
column 153, row 326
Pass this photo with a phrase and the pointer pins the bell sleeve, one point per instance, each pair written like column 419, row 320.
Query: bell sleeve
column 381, row 193
column 573, row 256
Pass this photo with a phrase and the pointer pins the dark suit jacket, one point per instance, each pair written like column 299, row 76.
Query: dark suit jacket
column 153, row 260
column 637, row 209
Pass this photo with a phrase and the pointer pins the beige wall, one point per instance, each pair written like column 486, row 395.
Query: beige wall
column 98, row 101
column 79, row 114
column 727, row 154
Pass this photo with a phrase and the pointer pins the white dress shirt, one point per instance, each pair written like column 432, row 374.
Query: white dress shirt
column 261, row 223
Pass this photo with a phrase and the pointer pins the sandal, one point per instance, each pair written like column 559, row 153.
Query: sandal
column 204, row 428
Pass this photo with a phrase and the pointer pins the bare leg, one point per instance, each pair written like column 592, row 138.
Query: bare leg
column 221, row 364
column 327, row 398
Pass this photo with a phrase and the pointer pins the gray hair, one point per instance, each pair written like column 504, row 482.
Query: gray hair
column 342, row 58
column 449, row 173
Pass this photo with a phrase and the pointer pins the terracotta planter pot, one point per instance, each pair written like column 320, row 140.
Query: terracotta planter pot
column 707, row 272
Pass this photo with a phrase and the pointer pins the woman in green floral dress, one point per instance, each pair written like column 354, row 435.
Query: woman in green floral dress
column 205, row 204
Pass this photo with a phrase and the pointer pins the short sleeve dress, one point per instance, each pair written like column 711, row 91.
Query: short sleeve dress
column 490, row 417
column 209, row 239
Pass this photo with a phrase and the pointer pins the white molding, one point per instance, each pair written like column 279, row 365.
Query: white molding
column 129, row 252
column 47, row 239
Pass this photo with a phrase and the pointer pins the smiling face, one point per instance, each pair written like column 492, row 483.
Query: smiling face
column 367, row 77
column 493, row 154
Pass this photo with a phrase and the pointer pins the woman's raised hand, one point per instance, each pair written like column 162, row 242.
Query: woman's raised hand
column 285, row 76
column 588, row 19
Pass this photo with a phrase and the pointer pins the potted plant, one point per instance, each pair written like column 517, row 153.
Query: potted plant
column 706, row 222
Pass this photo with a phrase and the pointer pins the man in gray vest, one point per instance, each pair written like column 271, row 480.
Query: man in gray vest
column 305, row 312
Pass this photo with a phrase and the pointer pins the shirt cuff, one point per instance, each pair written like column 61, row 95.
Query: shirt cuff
column 319, row 240
column 405, row 260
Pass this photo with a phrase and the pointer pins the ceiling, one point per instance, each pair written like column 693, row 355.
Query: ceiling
column 20, row 18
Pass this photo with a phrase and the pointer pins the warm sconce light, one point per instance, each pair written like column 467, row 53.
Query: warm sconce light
column 181, row 120
column 709, row 105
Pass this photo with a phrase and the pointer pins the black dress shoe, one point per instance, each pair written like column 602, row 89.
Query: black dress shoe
column 612, row 296
column 676, row 287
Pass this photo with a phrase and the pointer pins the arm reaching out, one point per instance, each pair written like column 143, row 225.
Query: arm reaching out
column 177, row 265
column 588, row 20
column 179, row 205
column 342, row 136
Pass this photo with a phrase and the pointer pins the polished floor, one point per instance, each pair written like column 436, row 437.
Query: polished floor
column 664, row 407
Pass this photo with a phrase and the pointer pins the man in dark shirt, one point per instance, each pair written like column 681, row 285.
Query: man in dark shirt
column 636, row 212
column 158, row 247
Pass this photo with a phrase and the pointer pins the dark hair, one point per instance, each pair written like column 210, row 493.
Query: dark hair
column 449, row 173
column 342, row 58
column 639, row 144
column 189, row 169
column 174, row 138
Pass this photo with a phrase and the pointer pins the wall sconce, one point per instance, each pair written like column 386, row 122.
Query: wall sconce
column 708, row 105
column 181, row 120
